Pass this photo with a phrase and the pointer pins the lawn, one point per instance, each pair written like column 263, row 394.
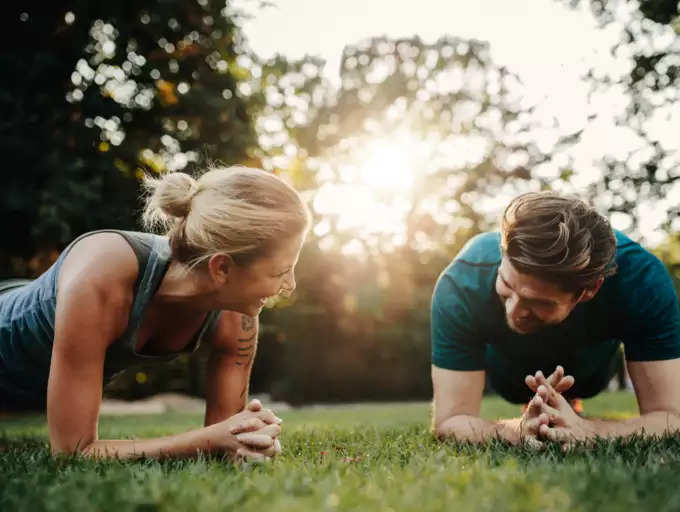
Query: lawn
column 365, row 457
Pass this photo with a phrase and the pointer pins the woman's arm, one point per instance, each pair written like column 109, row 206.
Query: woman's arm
column 233, row 347
column 93, row 305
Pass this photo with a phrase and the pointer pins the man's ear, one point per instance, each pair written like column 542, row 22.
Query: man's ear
column 220, row 268
column 590, row 292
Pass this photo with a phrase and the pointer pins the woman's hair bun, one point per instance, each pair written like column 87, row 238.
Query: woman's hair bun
column 169, row 196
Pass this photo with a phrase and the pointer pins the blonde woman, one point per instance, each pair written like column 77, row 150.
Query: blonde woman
column 115, row 299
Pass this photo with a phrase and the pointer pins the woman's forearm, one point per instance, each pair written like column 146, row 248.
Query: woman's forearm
column 187, row 444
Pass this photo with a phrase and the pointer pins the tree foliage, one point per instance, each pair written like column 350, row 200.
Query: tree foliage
column 96, row 94
column 649, row 44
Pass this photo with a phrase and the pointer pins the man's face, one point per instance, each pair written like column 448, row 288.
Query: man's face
column 532, row 303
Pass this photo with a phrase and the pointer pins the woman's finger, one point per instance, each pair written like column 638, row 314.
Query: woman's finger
column 255, row 440
column 250, row 425
column 244, row 454
column 254, row 405
column 273, row 450
column 268, row 416
column 272, row 430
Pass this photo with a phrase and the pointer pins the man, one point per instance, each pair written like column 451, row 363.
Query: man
column 556, row 287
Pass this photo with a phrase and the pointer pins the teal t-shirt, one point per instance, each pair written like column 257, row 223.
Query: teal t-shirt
column 637, row 306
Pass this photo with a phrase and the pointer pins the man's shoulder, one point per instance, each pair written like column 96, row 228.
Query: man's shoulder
column 483, row 250
column 641, row 279
column 473, row 270
column 634, row 261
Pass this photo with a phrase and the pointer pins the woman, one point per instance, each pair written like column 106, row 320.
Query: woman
column 114, row 299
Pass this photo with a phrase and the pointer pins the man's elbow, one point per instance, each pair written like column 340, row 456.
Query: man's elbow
column 444, row 428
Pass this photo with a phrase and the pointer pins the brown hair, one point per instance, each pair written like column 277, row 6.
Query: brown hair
column 238, row 211
column 560, row 239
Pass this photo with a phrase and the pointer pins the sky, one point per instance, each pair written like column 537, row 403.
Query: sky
column 549, row 46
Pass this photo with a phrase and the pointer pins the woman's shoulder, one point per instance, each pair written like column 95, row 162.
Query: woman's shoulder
column 103, row 260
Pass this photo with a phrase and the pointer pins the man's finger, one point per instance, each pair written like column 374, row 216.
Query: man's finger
column 556, row 376
column 549, row 395
column 533, row 408
column 553, row 416
column 531, row 383
column 565, row 384
column 530, row 426
column 533, row 443
column 555, row 434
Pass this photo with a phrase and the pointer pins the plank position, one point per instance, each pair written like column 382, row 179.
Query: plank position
column 557, row 288
column 117, row 299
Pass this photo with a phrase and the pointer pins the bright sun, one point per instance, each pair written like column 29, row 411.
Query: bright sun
column 372, row 193
column 387, row 166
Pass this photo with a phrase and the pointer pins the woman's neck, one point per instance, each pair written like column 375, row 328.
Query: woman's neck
column 185, row 288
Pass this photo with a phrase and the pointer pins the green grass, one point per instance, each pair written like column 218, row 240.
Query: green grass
column 365, row 457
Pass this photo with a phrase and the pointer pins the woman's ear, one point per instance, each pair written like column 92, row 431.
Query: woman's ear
column 220, row 268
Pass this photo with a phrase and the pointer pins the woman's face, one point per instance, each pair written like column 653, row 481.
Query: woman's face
column 249, row 286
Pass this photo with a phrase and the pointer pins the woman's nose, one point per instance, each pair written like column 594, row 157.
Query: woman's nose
column 288, row 285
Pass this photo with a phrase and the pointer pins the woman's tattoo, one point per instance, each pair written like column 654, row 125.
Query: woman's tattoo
column 246, row 348
column 247, row 322
column 247, row 340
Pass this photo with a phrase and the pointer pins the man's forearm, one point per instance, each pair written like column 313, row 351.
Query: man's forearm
column 477, row 430
column 653, row 423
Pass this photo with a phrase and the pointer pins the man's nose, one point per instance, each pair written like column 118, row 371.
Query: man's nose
column 515, row 309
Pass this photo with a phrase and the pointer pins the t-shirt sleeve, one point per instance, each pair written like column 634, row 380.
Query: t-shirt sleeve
column 651, row 318
column 455, row 345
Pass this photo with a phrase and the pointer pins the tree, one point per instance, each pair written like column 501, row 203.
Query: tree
column 97, row 94
column 644, row 178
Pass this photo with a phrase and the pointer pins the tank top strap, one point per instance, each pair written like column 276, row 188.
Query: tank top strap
column 154, row 271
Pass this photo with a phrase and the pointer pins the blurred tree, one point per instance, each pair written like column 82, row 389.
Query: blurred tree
column 403, row 163
column 434, row 131
column 649, row 48
column 669, row 253
column 94, row 94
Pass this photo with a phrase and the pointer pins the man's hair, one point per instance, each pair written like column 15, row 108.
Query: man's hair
column 560, row 239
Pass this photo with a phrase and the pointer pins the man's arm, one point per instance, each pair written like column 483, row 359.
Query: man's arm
column 457, row 401
column 233, row 347
column 657, row 387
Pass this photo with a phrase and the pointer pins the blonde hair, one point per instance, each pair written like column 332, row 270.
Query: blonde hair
column 560, row 239
column 238, row 211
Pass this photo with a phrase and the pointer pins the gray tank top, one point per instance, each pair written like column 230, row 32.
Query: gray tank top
column 27, row 311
